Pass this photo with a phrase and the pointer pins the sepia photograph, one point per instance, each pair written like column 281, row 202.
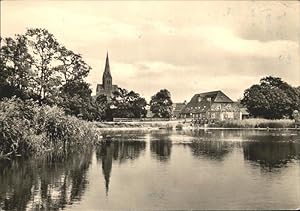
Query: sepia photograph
column 149, row 105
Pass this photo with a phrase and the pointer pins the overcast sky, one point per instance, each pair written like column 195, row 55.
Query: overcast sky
column 185, row 47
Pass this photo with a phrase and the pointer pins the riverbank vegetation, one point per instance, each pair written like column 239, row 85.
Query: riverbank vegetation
column 255, row 123
column 27, row 128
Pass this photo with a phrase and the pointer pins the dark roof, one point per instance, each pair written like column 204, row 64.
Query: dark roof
column 178, row 106
column 216, row 96
column 204, row 104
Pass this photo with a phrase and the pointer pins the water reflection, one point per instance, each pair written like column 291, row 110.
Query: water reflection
column 160, row 146
column 215, row 150
column 59, row 180
column 271, row 154
column 120, row 151
column 48, row 183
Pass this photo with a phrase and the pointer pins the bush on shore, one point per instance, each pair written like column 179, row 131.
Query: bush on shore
column 255, row 123
column 26, row 127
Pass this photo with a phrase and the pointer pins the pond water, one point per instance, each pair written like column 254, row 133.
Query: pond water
column 214, row 169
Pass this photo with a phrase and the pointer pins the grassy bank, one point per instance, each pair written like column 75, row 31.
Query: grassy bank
column 245, row 123
column 137, row 125
column 27, row 128
column 255, row 123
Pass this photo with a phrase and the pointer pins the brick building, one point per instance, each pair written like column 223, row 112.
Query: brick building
column 211, row 106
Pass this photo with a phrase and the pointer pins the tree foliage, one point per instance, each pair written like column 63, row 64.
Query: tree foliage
column 161, row 104
column 36, row 66
column 127, row 104
column 15, row 67
column 272, row 99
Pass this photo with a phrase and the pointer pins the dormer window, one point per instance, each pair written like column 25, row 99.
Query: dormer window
column 199, row 99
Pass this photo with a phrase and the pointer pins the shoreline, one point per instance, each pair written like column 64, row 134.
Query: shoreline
column 115, row 127
column 181, row 124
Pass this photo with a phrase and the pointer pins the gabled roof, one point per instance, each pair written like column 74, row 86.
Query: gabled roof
column 216, row 96
column 206, row 99
column 178, row 106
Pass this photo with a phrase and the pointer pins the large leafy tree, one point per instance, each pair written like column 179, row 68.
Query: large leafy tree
column 127, row 104
column 272, row 99
column 37, row 64
column 44, row 49
column 15, row 67
column 102, row 108
column 72, row 67
column 161, row 104
column 75, row 98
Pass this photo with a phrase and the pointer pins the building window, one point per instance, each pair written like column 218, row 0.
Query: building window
column 213, row 115
column 199, row 99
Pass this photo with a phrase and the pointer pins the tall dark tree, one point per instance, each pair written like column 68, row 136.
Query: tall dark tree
column 161, row 104
column 75, row 98
column 126, row 104
column 37, row 65
column 102, row 108
column 72, row 67
column 272, row 99
column 44, row 49
column 15, row 67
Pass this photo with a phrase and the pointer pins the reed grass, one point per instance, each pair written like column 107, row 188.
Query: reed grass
column 26, row 128
column 255, row 123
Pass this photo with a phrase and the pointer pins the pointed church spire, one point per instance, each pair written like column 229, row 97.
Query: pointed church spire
column 106, row 78
column 107, row 68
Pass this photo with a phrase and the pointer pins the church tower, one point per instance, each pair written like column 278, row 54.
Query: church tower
column 106, row 88
column 106, row 78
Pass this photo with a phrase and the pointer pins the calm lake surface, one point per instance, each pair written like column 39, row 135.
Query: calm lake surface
column 214, row 169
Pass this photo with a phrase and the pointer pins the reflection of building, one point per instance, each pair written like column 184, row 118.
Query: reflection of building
column 106, row 154
column 211, row 105
column 106, row 88
column 117, row 150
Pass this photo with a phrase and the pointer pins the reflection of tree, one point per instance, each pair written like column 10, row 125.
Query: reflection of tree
column 271, row 154
column 47, row 183
column 117, row 150
column 211, row 149
column 160, row 146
